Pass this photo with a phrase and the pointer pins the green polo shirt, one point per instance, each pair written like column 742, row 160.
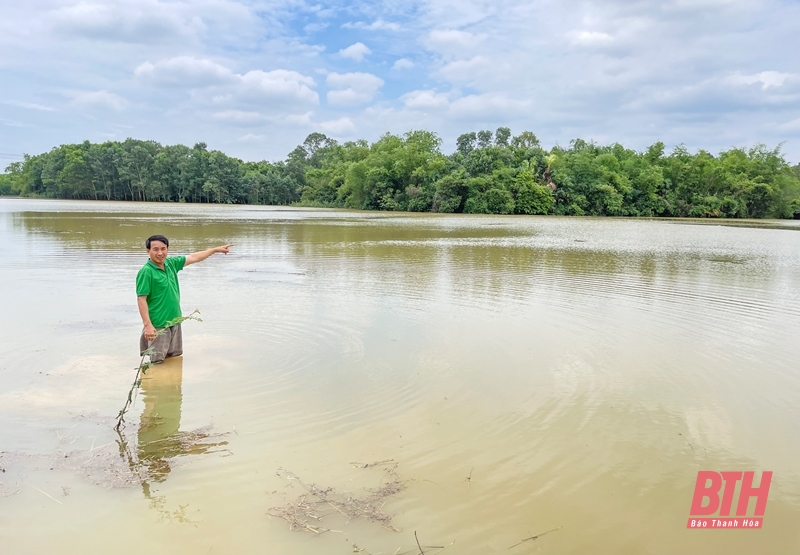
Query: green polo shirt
column 162, row 289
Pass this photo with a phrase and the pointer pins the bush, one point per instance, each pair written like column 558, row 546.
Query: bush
column 499, row 201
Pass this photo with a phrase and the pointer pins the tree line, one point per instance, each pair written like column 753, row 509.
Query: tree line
column 489, row 172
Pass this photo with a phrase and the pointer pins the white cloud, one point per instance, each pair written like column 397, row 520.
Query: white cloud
column 766, row 78
column 452, row 42
column 322, row 12
column 280, row 85
column 355, row 51
column 315, row 27
column 703, row 72
column 403, row 63
column 29, row 105
column 299, row 119
column 150, row 21
column 733, row 92
column 185, row 71
column 590, row 38
column 124, row 22
column 347, row 97
column 793, row 125
column 100, row 98
column 238, row 116
column 466, row 71
column 377, row 25
column 692, row 5
column 251, row 138
column 354, row 80
column 352, row 88
column 424, row 100
column 341, row 126
column 488, row 107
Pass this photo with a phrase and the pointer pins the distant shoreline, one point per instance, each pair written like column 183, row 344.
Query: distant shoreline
column 489, row 173
column 762, row 223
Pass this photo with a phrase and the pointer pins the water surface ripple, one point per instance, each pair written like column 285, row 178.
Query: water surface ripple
column 525, row 374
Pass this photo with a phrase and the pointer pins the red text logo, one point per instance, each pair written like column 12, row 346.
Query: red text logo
column 714, row 494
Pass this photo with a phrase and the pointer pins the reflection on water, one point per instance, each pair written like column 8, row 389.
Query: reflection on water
column 159, row 440
column 158, row 435
column 525, row 374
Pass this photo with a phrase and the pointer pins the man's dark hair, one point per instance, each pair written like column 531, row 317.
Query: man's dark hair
column 156, row 238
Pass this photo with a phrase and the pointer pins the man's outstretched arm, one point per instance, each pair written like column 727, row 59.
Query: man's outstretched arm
column 199, row 256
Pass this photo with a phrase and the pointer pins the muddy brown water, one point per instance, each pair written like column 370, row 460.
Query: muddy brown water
column 522, row 374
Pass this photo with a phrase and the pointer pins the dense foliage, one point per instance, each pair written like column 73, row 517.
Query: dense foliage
column 488, row 173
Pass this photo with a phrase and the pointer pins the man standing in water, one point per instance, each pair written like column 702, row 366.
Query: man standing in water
column 159, row 297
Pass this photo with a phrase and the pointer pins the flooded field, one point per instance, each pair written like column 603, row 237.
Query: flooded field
column 394, row 383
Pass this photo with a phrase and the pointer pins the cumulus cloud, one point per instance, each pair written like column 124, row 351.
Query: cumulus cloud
column 694, row 5
column 377, row 25
column 466, row 71
column 793, row 125
column 280, row 85
column 693, row 71
column 185, row 71
column 148, row 21
column 347, row 97
column 251, row 137
column 124, row 22
column 352, row 88
column 315, row 27
column 238, row 116
column 488, row 107
column 103, row 99
column 341, row 126
column 424, row 100
column 767, row 79
column 590, row 38
column 403, row 63
column 452, row 42
column 717, row 99
column 355, row 51
column 299, row 119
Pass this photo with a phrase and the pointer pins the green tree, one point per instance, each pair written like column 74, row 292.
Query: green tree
column 487, row 173
column 466, row 143
column 525, row 140
column 74, row 180
column 499, row 201
column 7, row 185
column 530, row 197
column 484, row 139
column 502, row 136
column 451, row 191
column 100, row 159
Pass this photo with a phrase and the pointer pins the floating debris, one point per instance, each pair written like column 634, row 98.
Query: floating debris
column 308, row 511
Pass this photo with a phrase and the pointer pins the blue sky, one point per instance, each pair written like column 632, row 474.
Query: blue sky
column 253, row 79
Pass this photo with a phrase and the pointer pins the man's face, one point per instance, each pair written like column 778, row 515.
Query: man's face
column 157, row 252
